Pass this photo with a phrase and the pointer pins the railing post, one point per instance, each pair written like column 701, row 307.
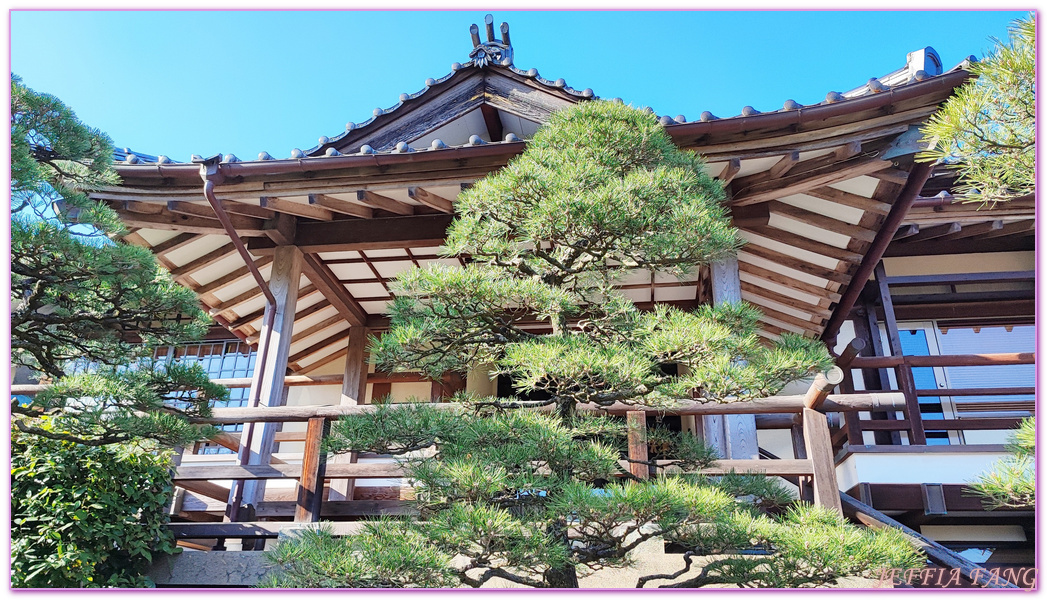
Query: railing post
column 820, row 453
column 314, row 461
column 905, row 379
column 636, row 421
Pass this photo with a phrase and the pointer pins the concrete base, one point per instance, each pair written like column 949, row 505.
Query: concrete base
column 210, row 569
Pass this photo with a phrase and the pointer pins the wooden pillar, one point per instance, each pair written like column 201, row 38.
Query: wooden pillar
column 267, row 383
column 733, row 436
column 820, row 453
column 906, row 383
column 354, row 391
column 866, row 328
column 636, row 422
column 311, row 483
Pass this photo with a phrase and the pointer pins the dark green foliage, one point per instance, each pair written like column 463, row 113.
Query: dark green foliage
column 86, row 516
column 1012, row 482
column 537, row 498
column 498, row 493
column 86, row 308
column 988, row 129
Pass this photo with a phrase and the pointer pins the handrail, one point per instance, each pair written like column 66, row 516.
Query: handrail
column 945, row 360
column 770, row 405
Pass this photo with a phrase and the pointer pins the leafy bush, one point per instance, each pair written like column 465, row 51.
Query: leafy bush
column 86, row 516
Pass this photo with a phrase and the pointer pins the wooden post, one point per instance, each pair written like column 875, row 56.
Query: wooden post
column 820, row 453
column 875, row 379
column 733, row 436
column 821, row 386
column 354, row 392
column 905, row 379
column 311, row 484
column 636, row 421
column 267, row 384
column 178, row 496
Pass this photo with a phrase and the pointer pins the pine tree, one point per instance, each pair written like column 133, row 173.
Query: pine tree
column 988, row 129
column 523, row 489
column 86, row 308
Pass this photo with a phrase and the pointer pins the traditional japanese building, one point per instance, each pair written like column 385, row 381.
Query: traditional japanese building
column 848, row 237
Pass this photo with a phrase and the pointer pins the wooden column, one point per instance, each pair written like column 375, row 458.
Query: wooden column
column 267, row 384
column 311, row 483
column 820, row 453
column 733, row 436
column 354, row 391
column 636, row 421
column 866, row 328
column 906, row 383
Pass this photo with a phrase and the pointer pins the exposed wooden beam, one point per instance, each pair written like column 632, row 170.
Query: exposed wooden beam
column 321, row 362
column 341, row 206
column 906, row 231
column 493, row 122
column 204, row 261
column 975, row 230
column 798, row 241
column 281, row 229
column 848, row 199
column 819, row 220
column 232, row 276
column 318, row 346
column 168, row 221
column 931, row 233
column 789, row 282
column 804, row 307
column 321, row 276
column 813, row 325
column 751, row 217
column 798, row 183
column 370, row 234
column 307, row 211
column 430, row 199
column 783, row 166
column 374, row 200
column 317, row 328
column 179, row 241
column 896, row 176
column 847, row 150
column 730, row 171
column 1015, row 228
column 248, row 210
column 797, row 264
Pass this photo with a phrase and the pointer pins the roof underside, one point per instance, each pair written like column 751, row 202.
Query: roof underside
column 809, row 188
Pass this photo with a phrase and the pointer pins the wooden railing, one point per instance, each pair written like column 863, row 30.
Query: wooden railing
column 913, row 423
column 813, row 469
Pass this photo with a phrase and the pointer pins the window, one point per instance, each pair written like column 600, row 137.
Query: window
column 221, row 360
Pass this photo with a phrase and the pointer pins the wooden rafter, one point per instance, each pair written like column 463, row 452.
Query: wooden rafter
column 931, row 233
column 819, row 220
column 798, row 241
column 786, row 281
column 297, row 209
column 906, row 231
column 318, row 346
column 179, row 241
column 168, row 221
column 804, row 307
column 493, row 121
column 232, row 276
column 335, row 293
column 969, row 231
column 202, row 262
column 797, row 264
column 730, row 171
column 364, row 234
column 340, row 206
column 430, row 199
column 783, row 166
column 848, row 199
column 798, row 183
column 386, row 203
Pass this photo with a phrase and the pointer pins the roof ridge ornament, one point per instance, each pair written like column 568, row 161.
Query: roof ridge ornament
column 492, row 51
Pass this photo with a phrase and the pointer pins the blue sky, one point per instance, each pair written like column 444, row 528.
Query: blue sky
column 180, row 83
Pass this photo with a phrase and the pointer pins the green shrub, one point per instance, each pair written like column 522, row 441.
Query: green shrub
column 86, row 516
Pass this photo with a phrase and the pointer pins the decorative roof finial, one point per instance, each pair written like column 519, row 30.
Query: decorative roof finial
column 492, row 51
